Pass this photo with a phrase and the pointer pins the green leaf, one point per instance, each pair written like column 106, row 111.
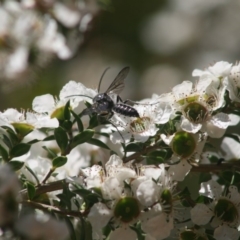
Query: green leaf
column 71, row 228
column 156, row 157
column 103, row 134
column 49, row 138
column 50, row 152
column 89, row 198
column 16, row 165
column 134, row 147
column 213, row 159
column 78, row 120
column 20, row 149
column 229, row 178
column 59, row 161
column 31, row 190
column 82, row 137
column 67, row 124
column 65, row 197
column 98, row 143
column 85, row 230
column 67, row 114
column 7, row 141
column 12, row 134
column 93, row 122
column 33, row 141
column 3, row 153
column 61, row 138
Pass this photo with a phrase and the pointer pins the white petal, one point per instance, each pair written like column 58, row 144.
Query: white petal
column 159, row 226
column 197, row 73
column 99, row 216
column 147, row 193
column 201, row 214
column 17, row 62
column 124, row 174
column 44, row 121
column 181, row 90
column 13, row 115
column 114, row 161
column 115, row 137
column 202, row 84
column 74, row 88
column 123, row 233
column 221, row 69
column 218, row 124
column 221, row 120
column 163, row 112
column 167, row 139
column 154, row 173
column 112, row 188
column 141, row 138
column 180, row 170
column 234, row 195
column 234, row 119
column 225, row 232
column 211, row 189
column 44, row 103
column 188, row 126
column 66, row 16
column 136, row 182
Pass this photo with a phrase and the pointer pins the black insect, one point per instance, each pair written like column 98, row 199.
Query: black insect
column 105, row 104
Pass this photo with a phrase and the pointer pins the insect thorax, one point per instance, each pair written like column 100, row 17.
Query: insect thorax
column 102, row 103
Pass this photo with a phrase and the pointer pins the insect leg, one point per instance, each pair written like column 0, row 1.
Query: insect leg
column 119, row 99
column 86, row 111
column 118, row 132
column 139, row 103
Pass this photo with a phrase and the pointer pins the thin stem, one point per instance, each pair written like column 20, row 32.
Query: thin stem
column 50, row 208
column 48, row 187
column 231, row 166
column 138, row 155
column 48, row 175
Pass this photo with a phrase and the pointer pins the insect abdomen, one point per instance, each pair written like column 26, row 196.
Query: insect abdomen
column 125, row 110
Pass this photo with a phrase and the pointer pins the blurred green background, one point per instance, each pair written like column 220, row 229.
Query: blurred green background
column 162, row 42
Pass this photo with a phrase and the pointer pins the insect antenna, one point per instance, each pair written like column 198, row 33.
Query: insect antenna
column 79, row 95
column 100, row 81
column 118, row 131
column 139, row 103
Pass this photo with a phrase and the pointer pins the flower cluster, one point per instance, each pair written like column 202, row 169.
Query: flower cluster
column 30, row 33
column 125, row 168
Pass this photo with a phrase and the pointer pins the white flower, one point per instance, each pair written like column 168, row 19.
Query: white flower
column 223, row 211
column 225, row 232
column 143, row 127
column 25, row 122
column 197, row 104
column 110, row 181
column 187, row 149
column 154, row 189
column 68, row 17
column 234, row 83
column 53, row 42
column 99, row 216
column 72, row 89
column 54, row 107
column 217, row 73
column 81, row 157
column 39, row 165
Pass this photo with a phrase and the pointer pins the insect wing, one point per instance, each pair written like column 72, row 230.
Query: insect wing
column 118, row 83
